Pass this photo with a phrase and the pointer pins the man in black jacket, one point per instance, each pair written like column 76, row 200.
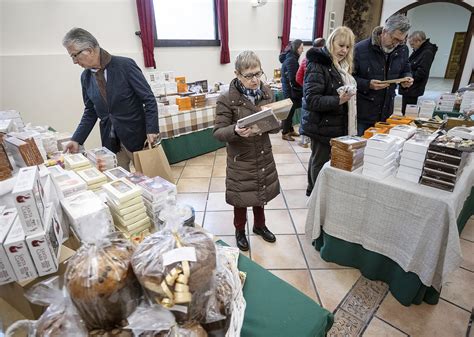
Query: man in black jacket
column 115, row 91
column 420, row 62
column 384, row 56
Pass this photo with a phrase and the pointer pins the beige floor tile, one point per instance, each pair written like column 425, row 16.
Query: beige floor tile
column 278, row 221
column 425, row 320
column 217, row 185
column 299, row 219
column 314, row 259
column 459, row 289
column 230, row 240
column 206, row 159
column 296, row 198
column 221, row 160
column 293, row 182
column 285, row 158
column 198, row 218
column 304, row 156
column 176, row 171
column 300, row 149
column 202, row 171
column 467, row 249
column 216, row 202
column 300, row 279
column 220, row 223
column 277, row 203
column 282, row 149
column 277, row 140
column 468, row 231
column 378, row 328
column 197, row 200
column 9, row 315
column 181, row 163
column 290, row 169
column 221, row 152
column 187, row 185
column 333, row 285
column 285, row 253
column 219, row 171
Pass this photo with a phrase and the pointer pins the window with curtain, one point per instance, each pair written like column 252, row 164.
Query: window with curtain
column 303, row 16
column 185, row 23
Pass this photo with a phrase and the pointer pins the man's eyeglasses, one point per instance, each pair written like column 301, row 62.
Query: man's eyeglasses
column 77, row 54
column 249, row 77
column 396, row 40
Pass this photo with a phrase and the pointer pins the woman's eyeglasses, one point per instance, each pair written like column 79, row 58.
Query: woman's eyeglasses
column 249, row 77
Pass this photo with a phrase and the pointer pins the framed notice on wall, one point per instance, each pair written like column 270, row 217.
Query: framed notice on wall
column 302, row 20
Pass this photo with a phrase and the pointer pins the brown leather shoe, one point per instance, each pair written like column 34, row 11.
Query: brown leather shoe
column 294, row 134
column 287, row 136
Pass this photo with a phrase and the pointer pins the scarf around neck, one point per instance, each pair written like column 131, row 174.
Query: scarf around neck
column 343, row 69
column 255, row 96
column 105, row 59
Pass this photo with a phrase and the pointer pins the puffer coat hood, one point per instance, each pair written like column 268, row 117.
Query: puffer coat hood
column 289, row 68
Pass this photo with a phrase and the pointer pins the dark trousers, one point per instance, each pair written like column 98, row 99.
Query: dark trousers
column 240, row 217
column 361, row 127
column 408, row 100
column 287, row 124
column 320, row 154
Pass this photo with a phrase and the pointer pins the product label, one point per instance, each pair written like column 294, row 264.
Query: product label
column 179, row 254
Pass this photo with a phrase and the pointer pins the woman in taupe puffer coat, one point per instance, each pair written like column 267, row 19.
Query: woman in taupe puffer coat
column 251, row 178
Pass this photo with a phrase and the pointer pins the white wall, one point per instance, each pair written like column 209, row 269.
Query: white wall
column 37, row 76
column 336, row 6
column 428, row 17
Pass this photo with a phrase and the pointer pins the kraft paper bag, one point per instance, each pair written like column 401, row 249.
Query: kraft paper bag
column 152, row 162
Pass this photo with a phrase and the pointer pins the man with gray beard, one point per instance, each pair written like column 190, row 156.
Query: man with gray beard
column 383, row 56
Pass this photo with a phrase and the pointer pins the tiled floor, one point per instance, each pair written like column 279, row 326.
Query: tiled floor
column 201, row 183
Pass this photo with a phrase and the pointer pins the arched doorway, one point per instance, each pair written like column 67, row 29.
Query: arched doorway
column 468, row 38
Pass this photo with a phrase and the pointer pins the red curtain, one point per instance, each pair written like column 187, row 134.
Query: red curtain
column 146, row 17
column 285, row 36
column 319, row 22
column 223, row 21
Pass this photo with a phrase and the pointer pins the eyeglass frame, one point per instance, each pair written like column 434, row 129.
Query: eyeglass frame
column 250, row 77
column 396, row 39
column 74, row 56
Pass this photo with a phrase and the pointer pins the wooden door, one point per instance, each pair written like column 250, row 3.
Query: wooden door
column 455, row 56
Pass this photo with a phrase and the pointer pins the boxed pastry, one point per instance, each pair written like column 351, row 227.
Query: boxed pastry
column 92, row 176
column 7, row 218
column 417, row 164
column 44, row 246
column 125, row 205
column 102, row 158
column 28, row 196
column 401, row 174
column 374, row 131
column 157, row 189
column 260, row 122
column 380, row 167
column 121, row 190
column 440, row 175
column 76, row 161
column 440, row 184
column 126, row 210
column 116, row 173
column 377, row 174
column 281, row 109
column 410, row 170
column 184, row 103
column 441, row 166
column 383, row 141
column 404, row 131
column 380, row 160
column 69, row 184
column 18, row 253
column 349, row 142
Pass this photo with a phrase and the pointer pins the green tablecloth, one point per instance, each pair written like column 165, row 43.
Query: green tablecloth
column 275, row 308
column 191, row 145
column 406, row 287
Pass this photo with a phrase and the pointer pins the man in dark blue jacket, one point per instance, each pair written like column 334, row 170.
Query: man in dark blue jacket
column 384, row 56
column 115, row 91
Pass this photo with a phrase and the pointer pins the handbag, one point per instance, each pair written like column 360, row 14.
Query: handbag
column 152, row 162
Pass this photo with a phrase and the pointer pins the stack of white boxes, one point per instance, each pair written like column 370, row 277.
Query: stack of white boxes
column 76, row 162
column 102, row 158
column 93, row 178
column 162, row 82
column 381, row 155
column 35, row 237
column 116, row 173
column 426, row 109
column 126, row 203
column 68, row 184
column 7, row 218
column 446, row 102
column 404, row 131
column 413, row 157
column 156, row 192
column 467, row 102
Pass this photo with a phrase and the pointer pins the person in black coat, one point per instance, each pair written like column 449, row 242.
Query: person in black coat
column 326, row 112
column 384, row 56
column 291, row 89
column 420, row 63
column 115, row 91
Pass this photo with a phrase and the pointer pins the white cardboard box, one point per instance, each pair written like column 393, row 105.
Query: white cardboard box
column 408, row 177
column 380, row 160
column 413, row 155
column 410, row 170
column 121, row 190
column 28, row 194
column 417, row 164
column 44, row 246
column 7, row 218
column 18, row 253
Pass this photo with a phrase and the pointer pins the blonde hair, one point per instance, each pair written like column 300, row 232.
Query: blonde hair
column 345, row 35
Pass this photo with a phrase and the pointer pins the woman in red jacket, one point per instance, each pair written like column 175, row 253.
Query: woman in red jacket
column 317, row 43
